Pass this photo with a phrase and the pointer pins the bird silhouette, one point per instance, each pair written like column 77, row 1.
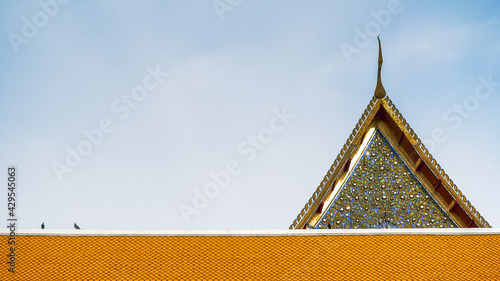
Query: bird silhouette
column 43, row 225
column 76, row 226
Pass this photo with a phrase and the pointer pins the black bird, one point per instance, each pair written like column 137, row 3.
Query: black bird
column 43, row 225
column 76, row 226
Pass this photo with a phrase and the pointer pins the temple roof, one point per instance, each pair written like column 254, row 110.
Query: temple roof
column 363, row 254
column 385, row 177
column 382, row 120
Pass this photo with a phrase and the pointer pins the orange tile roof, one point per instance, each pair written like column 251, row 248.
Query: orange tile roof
column 312, row 256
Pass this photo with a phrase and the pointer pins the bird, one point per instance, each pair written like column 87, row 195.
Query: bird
column 76, row 226
column 43, row 225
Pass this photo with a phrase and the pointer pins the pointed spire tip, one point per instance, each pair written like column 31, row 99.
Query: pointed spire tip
column 379, row 90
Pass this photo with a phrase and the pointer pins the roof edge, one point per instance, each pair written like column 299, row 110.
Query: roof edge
column 433, row 164
column 258, row 232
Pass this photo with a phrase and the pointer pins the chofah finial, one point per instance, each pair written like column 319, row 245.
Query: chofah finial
column 379, row 90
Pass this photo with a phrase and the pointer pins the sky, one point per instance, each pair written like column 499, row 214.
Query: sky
column 227, row 114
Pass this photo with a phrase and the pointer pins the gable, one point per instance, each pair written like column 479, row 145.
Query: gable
column 339, row 201
column 382, row 192
column 382, row 115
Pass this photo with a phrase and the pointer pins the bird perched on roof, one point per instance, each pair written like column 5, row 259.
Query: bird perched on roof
column 43, row 225
column 76, row 226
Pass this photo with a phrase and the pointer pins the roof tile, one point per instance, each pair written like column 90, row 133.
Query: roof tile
column 342, row 257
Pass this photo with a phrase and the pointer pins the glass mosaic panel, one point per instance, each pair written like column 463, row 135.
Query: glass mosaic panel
column 382, row 192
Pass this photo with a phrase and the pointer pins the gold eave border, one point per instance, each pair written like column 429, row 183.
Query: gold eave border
column 438, row 178
column 336, row 188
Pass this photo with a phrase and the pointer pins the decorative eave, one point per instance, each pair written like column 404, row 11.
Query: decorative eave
column 425, row 166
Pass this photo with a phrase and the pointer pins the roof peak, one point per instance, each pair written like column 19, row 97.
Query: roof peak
column 382, row 114
column 379, row 90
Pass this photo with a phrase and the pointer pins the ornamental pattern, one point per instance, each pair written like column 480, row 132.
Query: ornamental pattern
column 382, row 192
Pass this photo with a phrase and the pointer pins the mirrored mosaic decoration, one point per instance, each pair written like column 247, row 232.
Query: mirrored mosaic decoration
column 382, row 192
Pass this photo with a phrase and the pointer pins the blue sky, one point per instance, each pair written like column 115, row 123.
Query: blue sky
column 172, row 93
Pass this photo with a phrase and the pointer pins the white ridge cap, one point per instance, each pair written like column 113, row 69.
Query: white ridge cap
column 257, row 232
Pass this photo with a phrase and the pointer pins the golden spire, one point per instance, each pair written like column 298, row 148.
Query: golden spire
column 379, row 90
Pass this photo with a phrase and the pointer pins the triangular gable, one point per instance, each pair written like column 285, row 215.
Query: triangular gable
column 383, row 118
column 445, row 206
column 382, row 192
